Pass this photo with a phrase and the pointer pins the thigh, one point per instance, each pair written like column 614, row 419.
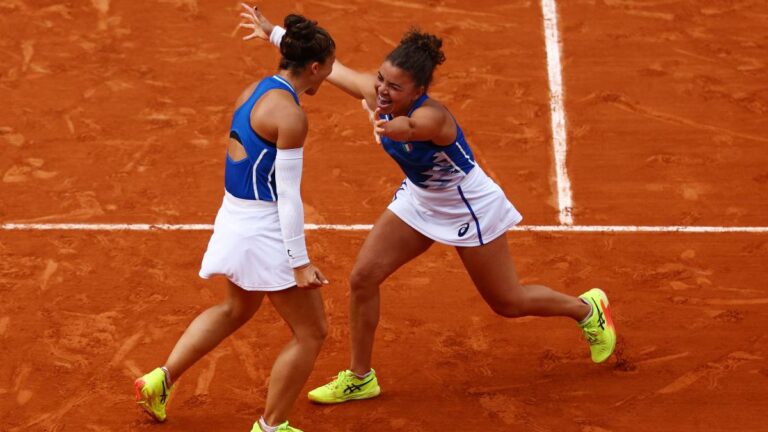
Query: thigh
column 243, row 301
column 301, row 308
column 491, row 268
column 390, row 244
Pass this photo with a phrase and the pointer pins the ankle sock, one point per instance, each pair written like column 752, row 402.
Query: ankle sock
column 265, row 427
column 363, row 376
column 589, row 315
column 167, row 376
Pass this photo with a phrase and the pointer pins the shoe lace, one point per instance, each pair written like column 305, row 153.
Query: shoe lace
column 336, row 381
column 285, row 427
column 591, row 335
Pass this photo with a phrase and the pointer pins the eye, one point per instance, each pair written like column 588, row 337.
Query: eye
column 380, row 78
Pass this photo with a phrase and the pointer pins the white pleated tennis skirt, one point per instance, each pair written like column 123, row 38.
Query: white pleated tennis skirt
column 247, row 246
column 472, row 213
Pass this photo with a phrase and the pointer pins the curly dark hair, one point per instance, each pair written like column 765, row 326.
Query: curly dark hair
column 418, row 53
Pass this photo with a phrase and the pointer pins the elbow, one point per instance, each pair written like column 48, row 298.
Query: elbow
column 287, row 195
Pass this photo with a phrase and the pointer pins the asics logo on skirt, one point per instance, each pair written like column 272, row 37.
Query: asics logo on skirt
column 463, row 229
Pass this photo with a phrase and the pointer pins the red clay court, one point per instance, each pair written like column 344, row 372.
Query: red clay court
column 117, row 112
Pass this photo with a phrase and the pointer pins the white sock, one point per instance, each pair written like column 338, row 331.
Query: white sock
column 167, row 376
column 364, row 376
column 265, row 427
column 589, row 315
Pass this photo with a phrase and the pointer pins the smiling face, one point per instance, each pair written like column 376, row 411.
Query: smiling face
column 395, row 90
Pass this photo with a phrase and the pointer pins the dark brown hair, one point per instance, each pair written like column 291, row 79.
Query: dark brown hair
column 304, row 42
column 419, row 54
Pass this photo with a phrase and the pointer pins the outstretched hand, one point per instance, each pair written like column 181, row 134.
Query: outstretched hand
column 376, row 121
column 254, row 20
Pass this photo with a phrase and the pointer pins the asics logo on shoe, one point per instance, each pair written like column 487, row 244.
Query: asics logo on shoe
column 351, row 388
column 600, row 316
column 164, row 395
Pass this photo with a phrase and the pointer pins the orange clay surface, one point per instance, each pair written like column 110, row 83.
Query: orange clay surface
column 117, row 112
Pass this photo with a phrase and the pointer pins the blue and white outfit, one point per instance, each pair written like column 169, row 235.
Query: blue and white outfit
column 247, row 245
column 446, row 196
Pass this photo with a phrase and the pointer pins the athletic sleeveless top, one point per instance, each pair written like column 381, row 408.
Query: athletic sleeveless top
column 253, row 178
column 428, row 165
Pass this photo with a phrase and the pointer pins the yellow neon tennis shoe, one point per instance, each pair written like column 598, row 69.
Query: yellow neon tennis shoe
column 346, row 387
column 599, row 330
column 152, row 394
column 282, row 428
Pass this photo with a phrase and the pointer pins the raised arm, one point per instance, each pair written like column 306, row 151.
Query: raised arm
column 357, row 84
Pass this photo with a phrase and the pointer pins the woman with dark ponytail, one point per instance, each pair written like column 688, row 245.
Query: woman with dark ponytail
column 258, row 239
column 446, row 198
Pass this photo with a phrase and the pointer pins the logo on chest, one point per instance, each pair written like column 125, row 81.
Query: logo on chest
column 407, row 147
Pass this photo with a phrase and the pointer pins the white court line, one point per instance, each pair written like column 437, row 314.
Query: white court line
column 363, row 227
column 552, row 38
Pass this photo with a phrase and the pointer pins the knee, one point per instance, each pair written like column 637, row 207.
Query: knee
column 508, row 310
column 315, row 336
column 364, row 281
column 237, row 311
column 509, row 307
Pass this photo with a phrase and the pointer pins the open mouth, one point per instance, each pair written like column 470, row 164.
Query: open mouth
column 384, row 104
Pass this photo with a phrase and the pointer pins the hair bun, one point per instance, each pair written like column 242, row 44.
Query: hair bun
column 419, row 53
column 428, row 43
column 300, row 29
column 304, row 42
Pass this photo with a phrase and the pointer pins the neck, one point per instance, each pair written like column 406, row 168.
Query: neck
column 410, row 107
column 299, row 86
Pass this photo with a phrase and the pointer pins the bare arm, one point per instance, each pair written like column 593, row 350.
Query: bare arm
column 292, row 124
column 427, row 123
column 357, row 84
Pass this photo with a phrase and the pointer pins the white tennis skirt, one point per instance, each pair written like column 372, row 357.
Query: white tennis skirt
column 247, row 246
column 472, row 213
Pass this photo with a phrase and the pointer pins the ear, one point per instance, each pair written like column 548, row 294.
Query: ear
column 315, row 67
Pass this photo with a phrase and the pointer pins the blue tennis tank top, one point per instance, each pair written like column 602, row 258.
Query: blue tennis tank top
column 429, row 165
column 253, row 178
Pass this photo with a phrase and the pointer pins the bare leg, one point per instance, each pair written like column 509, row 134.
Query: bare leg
column 303, row 310
column 211, row 327
column 493, row 272
column 390, row 244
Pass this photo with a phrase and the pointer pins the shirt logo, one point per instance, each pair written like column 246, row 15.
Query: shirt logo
column 408, row 147
column 463, row 229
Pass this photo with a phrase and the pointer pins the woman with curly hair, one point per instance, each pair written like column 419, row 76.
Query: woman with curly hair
column 446, row 197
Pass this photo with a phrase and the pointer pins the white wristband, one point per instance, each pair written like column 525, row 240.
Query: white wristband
column 296, row 249
column 277, row 36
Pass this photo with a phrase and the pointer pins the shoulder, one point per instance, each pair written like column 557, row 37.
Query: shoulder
column 290, row 119
column 245, row 94
column 281, row 105
column 286, row 110
column 435, row 117
column 431, row 110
